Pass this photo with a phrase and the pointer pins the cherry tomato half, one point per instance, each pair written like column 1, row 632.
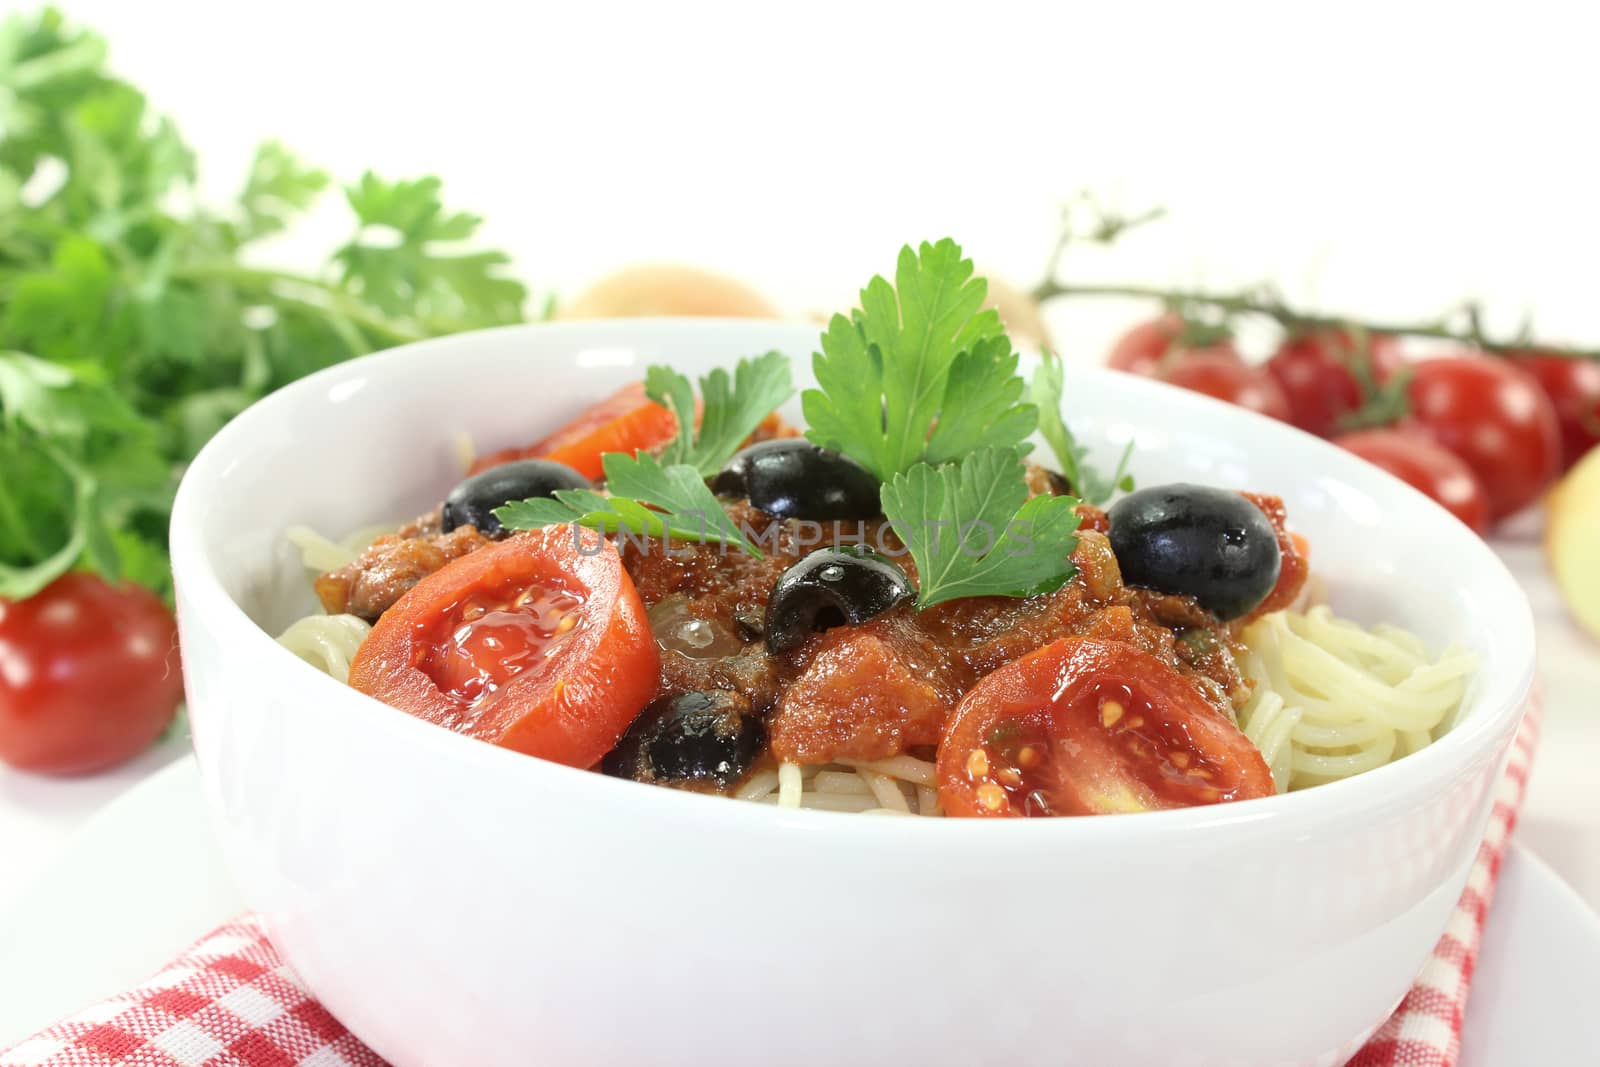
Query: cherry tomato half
column 1423, row 463
column 1315, row 372
column 1494, row 416
column 538, row 643
column 1086, row 727
column 625, row 421
column 1227, row 377
column 1573, row 386
column 1150, row 347
column 88, row 675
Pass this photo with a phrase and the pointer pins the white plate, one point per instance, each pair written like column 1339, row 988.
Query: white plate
column 145, row 877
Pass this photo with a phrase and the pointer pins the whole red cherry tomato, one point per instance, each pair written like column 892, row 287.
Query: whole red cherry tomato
column 1227, row 377
column 88, row 675
column 1316, row 373
column 1423, row 463
column 1494, row 415
column 1151, row 346
column 1573, row 386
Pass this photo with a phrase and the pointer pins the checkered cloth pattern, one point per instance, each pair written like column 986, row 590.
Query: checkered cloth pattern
column 1425, row 1031
column 231, row 1001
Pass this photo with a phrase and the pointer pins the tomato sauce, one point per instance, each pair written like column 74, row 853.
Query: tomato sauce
column 887, row 686
column 865, row 692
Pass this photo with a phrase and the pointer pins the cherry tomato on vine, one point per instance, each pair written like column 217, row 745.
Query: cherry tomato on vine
column 1573, row 386
column 1151, row 346
column 1227, row 377
column 538, row 643
column 1315, row 372
column 1424, row 464
column 1494, row 415
column 88, row 675
column 1089, row 727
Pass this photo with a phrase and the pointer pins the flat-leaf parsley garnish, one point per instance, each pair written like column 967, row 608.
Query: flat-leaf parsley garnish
column 1086, row 481
column 647, row 499
column 921, row 387
column 918, row 354
column 732, row 407
column 973, row 531
column 666, row 496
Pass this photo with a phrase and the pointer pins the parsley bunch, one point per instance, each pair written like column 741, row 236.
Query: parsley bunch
column 667, row 496
column 920, row 386
column 134, row 323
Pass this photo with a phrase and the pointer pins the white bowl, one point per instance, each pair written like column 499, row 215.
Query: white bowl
column 456, row 903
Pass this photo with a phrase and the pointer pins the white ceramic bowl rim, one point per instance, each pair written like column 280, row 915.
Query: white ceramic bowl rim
column 1501, row 699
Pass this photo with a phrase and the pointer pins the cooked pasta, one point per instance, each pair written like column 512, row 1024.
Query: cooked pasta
column 1333, row 698
column 319, row 553
column 898, row 786
column 327, row 642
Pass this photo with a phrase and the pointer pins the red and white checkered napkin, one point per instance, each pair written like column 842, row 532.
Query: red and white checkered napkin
column 231, row 1001
column 1425, row 1030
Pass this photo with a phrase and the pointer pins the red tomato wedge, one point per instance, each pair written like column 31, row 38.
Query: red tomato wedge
column 538, row 643
column 625, row 421
column 1086, row 727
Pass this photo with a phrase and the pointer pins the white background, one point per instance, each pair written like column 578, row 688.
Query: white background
column 1388, row 160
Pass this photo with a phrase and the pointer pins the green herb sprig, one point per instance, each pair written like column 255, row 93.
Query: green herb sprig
column 732, row 407
column 666, row 496
column 916, row 350
column 921, row 387
column 133, row 324
column 1047, row 389
column 973, row 530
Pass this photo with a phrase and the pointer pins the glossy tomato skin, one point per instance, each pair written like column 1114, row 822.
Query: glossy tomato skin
column 1573, row 386
column 1090, row 727
column 626, row 421
column 89, row 675
column 1495, row 416
column 538, row 643
column 1150, row 347
column 1424, row 464
column 1227, row 377
column 1314, row 372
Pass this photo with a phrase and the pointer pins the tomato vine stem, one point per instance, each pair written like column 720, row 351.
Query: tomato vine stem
column 1265, row 304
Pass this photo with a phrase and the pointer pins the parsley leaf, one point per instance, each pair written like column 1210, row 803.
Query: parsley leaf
column 278, row 188
column 733, row 408
column 647, row 499
column 886, row 376
column 1092, row 486
column 985, row 389
column 405, row 259
column 973, row 531
column 130, row 327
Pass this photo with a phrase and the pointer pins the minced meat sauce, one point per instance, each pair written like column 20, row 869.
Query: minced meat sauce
column 875, row 690
column 865, row 692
